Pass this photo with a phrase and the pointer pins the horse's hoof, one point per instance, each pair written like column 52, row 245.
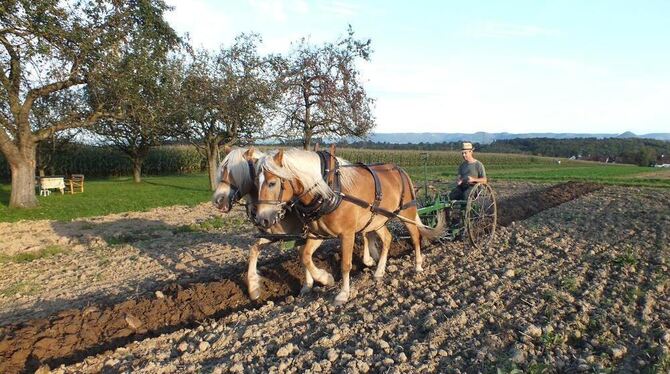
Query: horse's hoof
column 418, row 268
column 379, row 276
column 369, row 262
column 255, row 294
column 341, row 299
column 305, row 290
column 330, row 281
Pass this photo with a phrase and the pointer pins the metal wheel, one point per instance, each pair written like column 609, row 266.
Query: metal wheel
column 481, row 215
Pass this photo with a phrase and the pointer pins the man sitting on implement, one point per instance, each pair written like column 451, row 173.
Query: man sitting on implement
column 470, row 172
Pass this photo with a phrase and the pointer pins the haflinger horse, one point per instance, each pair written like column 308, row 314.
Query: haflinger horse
column 235, row 180
column 366, row 197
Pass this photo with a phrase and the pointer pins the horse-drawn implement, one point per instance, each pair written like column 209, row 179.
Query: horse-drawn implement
column 474, row 218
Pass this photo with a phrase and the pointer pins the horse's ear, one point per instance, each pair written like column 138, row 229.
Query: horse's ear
column 249, row 154
column 227, row 149
column 279, row 158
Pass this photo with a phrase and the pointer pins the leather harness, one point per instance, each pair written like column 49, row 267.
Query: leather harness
column 321, row 206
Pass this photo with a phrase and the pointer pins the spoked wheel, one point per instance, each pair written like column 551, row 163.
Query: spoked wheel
column 481, row 215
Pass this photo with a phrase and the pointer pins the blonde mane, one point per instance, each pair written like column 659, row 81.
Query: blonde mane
column 238, row 168
column 304, row 166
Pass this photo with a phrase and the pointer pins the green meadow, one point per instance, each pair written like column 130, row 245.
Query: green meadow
column 114, row 195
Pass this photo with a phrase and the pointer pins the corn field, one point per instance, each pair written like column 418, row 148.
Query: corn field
column 183, row 159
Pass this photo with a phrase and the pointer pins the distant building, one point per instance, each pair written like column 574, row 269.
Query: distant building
column 662, row 161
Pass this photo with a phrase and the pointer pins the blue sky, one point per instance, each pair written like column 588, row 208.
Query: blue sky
column 467, row 66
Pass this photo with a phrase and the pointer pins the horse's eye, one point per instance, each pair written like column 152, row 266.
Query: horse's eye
column 272, row 184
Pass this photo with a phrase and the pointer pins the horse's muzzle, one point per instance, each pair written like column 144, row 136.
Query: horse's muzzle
column 222, row 204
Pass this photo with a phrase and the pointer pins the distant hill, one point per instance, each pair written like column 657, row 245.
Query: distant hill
column 487, row 137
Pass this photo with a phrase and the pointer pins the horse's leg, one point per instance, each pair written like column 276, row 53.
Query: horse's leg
column 415, row 235
column 386, row 238
column 319, row 275
column 347, row 240
column 374, row 248
column 309, row 282
column 253, row 280
column 367, row 259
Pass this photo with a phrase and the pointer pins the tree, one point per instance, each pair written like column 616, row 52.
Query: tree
column 49, row 46
column 145, row 89
column 227, row 97
column 46, row 112
column 323, row 95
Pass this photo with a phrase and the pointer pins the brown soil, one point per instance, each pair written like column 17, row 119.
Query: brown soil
column 74, row 334
column 531, row 203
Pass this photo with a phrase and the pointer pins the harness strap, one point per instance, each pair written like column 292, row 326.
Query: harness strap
column 252, row 169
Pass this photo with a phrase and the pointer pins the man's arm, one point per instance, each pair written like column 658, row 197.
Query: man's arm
column 481, row 175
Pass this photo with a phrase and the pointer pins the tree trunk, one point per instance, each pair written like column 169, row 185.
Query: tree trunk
column 23, row 178
column 137, row 169
column 307, row 140
column 212, row 149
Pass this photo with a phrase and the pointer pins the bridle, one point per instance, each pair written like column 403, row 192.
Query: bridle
column 235, row 195
column 285, row 206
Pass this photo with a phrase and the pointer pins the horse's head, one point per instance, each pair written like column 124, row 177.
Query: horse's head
column 275, row 191
column 234, row 178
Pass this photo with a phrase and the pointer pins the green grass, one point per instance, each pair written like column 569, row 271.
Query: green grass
column 108, row 196
column 122, row 195
column 22, row 287
column 624, row 175
column 214, row 224
column 49, row 251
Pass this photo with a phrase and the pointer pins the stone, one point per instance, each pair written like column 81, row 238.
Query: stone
column 285, row 350
column 618, row 352
column 203, row 346
column 533, row 331
column 44, row 369
column 159, row 295
column 332, row 355
column 182, row 347
column 133, row 321
column 111, row 362
column 518, row 355
column 237, row 368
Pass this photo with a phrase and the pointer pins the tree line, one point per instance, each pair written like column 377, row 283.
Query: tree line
column 638, row 151
column 116, row 73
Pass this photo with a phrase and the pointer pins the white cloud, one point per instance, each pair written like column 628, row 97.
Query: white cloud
column 205, row 23
column 340, row 8
column 507, row 30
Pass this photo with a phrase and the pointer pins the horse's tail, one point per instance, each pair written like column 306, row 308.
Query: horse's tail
column 432, row 233
column 429, row 233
